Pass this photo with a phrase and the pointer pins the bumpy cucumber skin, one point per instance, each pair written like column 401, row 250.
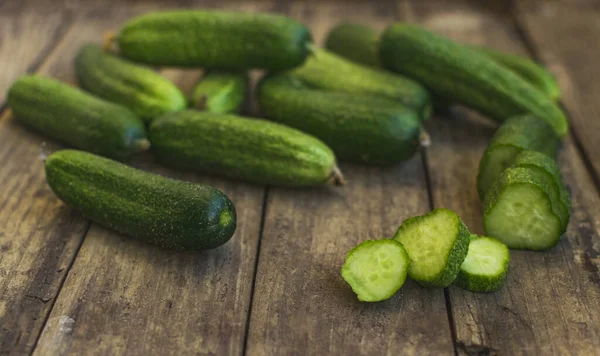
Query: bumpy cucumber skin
column 358, row 128
column 456, row 256
column 482, row 283
column 221, row 92
column 358, row 43
column 67, row 114
column 148, row 207
column 326, row 70
column 521, row 133
column 465, row 76
column 254, row 150
column 215, row 39
column 519, row 176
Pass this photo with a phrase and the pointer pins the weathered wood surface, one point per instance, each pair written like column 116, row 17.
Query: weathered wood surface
column 86, row 291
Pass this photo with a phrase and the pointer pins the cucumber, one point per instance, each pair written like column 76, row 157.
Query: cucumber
column 519, row 211
column 325, row 70
column 358, row 128
column 215, row 39
column 358, row 43
column 485, row 267
column 254, row 150
column 143, row 91
column 465, row 76
column 148, row 207
column 67, row 114
column 514, row 135
column 436, row 244
column 548, row 168
column 221, row 92
column 376, row 269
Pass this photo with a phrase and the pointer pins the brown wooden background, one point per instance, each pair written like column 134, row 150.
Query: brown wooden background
column 71, row 287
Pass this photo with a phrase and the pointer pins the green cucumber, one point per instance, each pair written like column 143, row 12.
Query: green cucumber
column 485, row 267
column 376, row 269
column 326, row 70
column 148, row 207
column 254, row 150
column 142, row 90
column 221, row 92
column 358, row 128
column 519, row 211
column 465, row 76
column 513, row 136
column 215, row 39
column 437, row 244
column 358, row 43
column 547, row 167
column 67, row 114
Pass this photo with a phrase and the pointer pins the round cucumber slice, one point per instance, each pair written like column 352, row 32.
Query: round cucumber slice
column 486, row 265
column 376, row 269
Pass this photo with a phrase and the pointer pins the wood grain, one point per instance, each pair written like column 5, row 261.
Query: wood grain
column 301, row 305
column 549, row 303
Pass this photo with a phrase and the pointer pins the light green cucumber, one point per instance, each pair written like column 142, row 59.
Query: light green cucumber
column 376, row 269
column 485, row 267
column 436, row 244
column 221, row 92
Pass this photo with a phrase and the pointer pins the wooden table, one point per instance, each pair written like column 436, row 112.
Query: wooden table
column 68, row 286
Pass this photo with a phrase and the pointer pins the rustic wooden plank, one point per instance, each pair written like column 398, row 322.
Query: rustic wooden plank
column 301, row 305
column 549, row 304
column 562, row 36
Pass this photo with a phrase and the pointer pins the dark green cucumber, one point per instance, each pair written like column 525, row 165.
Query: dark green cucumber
column 148, row 207
column 519, row 210
column 513, row 136
column 249, row 149
column 215, row 39
column 142, row 90
column 485, row 267
column 437, row 244
column 358, row 43
column 326, row 70
column 358, row 128
column 465, row 76
column 376, row 269
column 67, row 114
column 221, row 92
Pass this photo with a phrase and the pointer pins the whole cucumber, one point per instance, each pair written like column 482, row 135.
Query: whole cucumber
column 142, row 90
column 254, row 150
column 215, row 39
column 65, row 113
column 358, row 128
column 221, row 92
column 148, row 207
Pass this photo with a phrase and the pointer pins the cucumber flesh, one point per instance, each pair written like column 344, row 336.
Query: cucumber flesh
column 376, row 269
column 437, row 245
column 485, row 267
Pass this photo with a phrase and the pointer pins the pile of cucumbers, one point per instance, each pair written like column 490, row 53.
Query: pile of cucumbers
column 365, row 98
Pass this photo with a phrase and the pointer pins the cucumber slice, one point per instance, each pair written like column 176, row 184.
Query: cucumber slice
column 519, row 211
column 486, row 265
column 436, row 244
column 376, row 269
column 513, row 136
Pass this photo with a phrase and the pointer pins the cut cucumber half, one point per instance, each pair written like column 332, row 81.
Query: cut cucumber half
column 486, row 265
column 519, row 211
column 376, row 269
column 513, row 136
column 436, row 244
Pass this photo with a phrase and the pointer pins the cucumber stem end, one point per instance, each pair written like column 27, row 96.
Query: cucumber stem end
column 142, row 144
column 336, row 177
column 424, row 139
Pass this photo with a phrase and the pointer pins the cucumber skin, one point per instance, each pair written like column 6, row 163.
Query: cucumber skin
column 523, row 133
column 465, row 76
column 481, row 284
column 517, row 176
column 67, row 114
column 254, row 150
column 143, row 91
column 358, row 43
column 358, row 128
column 326, row 70
column 457, row 254
column 148, row 207
column 221, row 92
column 215, row 40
